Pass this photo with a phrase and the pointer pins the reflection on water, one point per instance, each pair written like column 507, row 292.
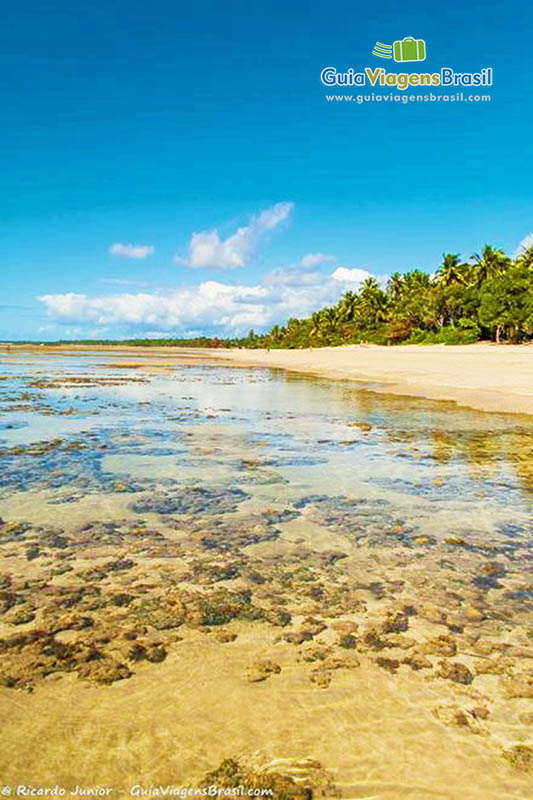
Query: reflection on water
column 360, row 532
column 200, row 422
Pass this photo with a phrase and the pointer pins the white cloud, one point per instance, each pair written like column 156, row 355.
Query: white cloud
column 131, row 250
column 207, row 249
column 351, row 277
column 312, row 259
column 526, row 242
column 212, row 306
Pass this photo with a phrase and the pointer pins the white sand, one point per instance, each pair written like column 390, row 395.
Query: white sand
column 487, row 377
column 482, row 376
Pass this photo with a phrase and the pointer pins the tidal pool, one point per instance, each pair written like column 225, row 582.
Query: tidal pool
column 353, row 566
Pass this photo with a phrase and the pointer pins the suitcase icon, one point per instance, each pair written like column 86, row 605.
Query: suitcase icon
column 410, row 49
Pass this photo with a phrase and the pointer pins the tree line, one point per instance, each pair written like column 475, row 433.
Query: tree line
column 489, row 296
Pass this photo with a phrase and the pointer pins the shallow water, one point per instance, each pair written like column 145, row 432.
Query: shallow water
column 472, row 471
column 250, row 478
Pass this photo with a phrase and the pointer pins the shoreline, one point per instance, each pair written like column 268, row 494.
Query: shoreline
column 485, row 377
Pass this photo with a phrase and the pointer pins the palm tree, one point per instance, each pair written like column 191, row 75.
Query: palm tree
column 276, row 334
column 449, row 271
column 489, row 264
column 347, row 307
column 329, row 320
column 316, row 323
column 395, row 285
column 525, row 257
column 374, row 302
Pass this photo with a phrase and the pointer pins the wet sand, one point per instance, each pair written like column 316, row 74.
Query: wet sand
column 487, row 377
column 482, row 376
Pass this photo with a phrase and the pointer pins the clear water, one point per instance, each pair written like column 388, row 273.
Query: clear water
column 197, row 482
column 280, row 438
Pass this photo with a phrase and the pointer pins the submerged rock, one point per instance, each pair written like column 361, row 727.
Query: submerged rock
column 321, row 678
column 396, row 623
column 440, row 646
column 390, row 664
column 194, row 500
column 105, row 671
column 520, row 756
column 455, row 671
column 261, row 670
column 233, row 774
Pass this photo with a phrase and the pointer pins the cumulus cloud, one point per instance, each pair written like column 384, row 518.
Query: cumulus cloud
column 131, row 250
column 526, row 242
column 351, row 276
column 312, row 259
column 211, row 307
column 208, row 249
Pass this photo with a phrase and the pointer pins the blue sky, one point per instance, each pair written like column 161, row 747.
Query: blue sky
column 144, row 124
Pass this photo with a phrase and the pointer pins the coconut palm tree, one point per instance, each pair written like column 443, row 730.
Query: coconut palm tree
column 489, row 264
column 449, row 271
column 395, row 285
column 347, row 307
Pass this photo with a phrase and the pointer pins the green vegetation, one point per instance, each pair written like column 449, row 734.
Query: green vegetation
column 490, row 296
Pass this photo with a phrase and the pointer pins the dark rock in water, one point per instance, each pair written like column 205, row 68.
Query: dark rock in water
column 278, row 616
column 261, row 670
column 214, row 608
column 232, row 775
column 310, row 628
column 7, row 601
column 162, row 614
column 520, row 756
column 277, row 517
column 194, row 500
column 314, row 653
column 480, row 712
column 156, row 653
column 5, row 581
column 390, row 664
column 136, row 652
column 314, row 626
column 490, row 573
column 149, row 652
column 226, row 636
column 32, row 552
column 321, row 678
column 372, row 640
column 119, row 565
column 298, row 637
column 20, row 616
column 454, row 671
column 348, row 641
column 417, row 662
column 122, row 599
column 105, row 671
column 396, row 623
column 440, row 646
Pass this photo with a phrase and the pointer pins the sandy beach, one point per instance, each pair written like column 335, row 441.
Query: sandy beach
column 487, row 377
column 481, row 376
